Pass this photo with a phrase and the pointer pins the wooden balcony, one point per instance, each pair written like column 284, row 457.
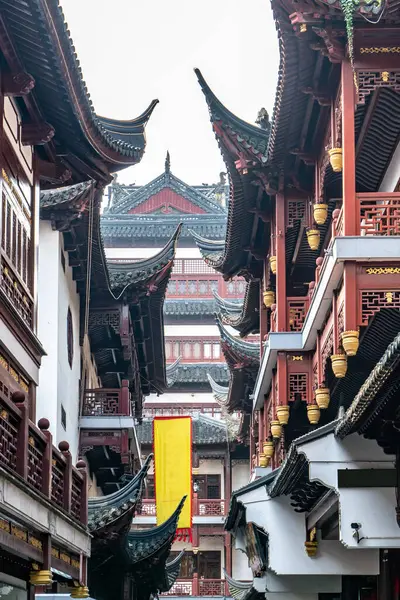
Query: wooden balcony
column 103, row 402
column 26, row 451
column 297, row 307
column 378, row 215
column 197, row 587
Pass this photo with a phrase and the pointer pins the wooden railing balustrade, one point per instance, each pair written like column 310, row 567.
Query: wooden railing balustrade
column 379, row 213
column 297, row 308
column 197, row 586
column 104, row 402
column 201, row 508
column 27, row 452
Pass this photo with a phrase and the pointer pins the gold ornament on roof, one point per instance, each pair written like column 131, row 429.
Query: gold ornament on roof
column 385, row 76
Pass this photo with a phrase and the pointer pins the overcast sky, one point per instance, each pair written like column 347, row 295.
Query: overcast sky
column 132, row 51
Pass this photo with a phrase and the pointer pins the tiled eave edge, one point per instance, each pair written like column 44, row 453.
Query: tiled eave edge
column 359, row 249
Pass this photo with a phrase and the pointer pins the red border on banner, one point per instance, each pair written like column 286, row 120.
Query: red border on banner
column 180, row 533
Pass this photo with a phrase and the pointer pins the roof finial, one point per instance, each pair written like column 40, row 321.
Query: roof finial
column 263, row 118
column 168, row 163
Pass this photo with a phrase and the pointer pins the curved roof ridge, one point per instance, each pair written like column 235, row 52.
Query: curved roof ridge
column 242, row 585
column 57, row 196
column 49, row 49
column 205, row 242
column 227, row 305
column 216, row 387
column 122, row 275
column 124, row 492
column 220, row 112
column 172, row 563
column 137, row 534
column 249, row 350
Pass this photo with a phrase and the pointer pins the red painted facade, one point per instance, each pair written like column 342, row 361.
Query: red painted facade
column 167, row 201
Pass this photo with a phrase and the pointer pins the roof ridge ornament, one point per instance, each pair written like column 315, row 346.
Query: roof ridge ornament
column 167, row 163
column 262, row 119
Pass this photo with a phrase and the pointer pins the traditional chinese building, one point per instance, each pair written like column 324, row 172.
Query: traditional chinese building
column 136, row 224
column 313, row 222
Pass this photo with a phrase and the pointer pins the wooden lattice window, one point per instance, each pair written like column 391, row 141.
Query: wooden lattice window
column 70, row 338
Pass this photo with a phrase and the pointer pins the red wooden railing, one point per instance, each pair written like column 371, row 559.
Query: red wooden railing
column 379, row 213
column 297, row 308
column 27, row 451
column 197, row 587
column 103, row 402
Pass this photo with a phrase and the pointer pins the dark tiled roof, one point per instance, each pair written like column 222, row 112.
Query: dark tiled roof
column 294, row 470
column 220, row 391
column 242, row 590
column 371, row 390
column 238, row 351
column 44, row 47
column 128, row 199
column 198, row 372
column 122, row 275
column 143, row 544
column 206, row 430
column 238, row 141
column 156, row 227
column 251, row 138
column 106, row 510
column 172, row 569
column 245, row 317
column 190, row 307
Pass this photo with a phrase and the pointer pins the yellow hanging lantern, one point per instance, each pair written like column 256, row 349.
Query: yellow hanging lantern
column 351, row 342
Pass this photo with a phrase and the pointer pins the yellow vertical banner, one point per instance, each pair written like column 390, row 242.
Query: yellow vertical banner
column 172, row 440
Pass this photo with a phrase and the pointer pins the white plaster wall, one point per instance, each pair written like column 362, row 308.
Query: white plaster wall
column 48, row 290
column 240, row 475
column 373, row 508
column 68, row 378
column 240, row 566
column 286, row 546
column 58, row 383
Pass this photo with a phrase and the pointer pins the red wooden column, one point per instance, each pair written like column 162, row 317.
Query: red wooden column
column 350, row 216
column 282, row 399
column 228, row 558
column 263, row 321
column 260, row 430
column 280, row 225
column 350, row 296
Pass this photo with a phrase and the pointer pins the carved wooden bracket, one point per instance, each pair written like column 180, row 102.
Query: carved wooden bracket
column 335, row 48
column 321, row 98
column 53, row 172
column 306, row 158
column 36, row 134
column 17, row 84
